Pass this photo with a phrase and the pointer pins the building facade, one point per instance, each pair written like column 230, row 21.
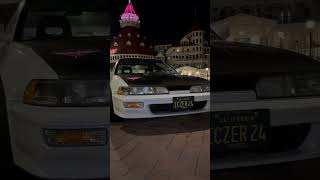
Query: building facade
column 284, row 11
column 192, row 50
column 303, row 37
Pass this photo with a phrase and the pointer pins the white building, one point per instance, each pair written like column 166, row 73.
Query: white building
column 192, row 50
column 268, row 32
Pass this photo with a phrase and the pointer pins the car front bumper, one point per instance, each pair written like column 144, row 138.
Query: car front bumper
column 31, row 152
column 285, row 112
column 150, row 100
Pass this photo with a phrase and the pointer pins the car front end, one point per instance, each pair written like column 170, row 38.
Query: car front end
column 60, row 143
column 263, row 115
column 157, row 94
column 57, row 92
column 150, row 106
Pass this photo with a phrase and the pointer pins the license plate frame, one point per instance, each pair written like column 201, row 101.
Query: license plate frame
column 183, row 103
column 228, row 127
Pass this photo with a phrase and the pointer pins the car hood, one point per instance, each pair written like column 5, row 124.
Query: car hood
column 231, row 58
column 239, row 66
column 76, row 58
column 170, row 81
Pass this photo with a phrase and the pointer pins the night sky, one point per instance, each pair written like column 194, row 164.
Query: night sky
column 165, row 20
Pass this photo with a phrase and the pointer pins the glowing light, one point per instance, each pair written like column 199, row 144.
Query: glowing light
column 129, row 16
column 133, row 78
column 113, row 51
column 77, row 54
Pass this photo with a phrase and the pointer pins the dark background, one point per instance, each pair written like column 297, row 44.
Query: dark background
column 165, row 20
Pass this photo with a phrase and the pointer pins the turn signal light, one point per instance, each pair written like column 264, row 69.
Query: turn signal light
column 133, row 104
column 76, row 137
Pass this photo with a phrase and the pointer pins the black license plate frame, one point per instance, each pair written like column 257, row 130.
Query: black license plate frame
column 183, row 103
column 241, row 129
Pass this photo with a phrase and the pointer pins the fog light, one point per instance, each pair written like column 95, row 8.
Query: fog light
column 133, row 104
column 76, row 137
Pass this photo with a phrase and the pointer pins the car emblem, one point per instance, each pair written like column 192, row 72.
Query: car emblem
column 76, row 54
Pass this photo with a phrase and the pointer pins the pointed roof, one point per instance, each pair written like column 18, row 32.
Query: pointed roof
column 129, row 17
column 195, row 23
column 129, row 9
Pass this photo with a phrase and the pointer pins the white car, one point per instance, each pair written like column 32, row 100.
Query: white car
column 146, row 88
column 265, row 106
column 54, row 80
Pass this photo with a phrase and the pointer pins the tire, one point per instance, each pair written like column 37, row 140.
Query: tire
column 6, row 163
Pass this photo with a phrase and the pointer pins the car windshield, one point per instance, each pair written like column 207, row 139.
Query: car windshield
column 143, row 66
column 62, row 19
column 7, row 11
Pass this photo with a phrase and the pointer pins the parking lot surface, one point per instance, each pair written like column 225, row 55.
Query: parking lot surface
column 161, row 148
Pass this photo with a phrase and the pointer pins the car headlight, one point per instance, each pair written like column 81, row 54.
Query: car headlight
column 67, row 93
column 200, row 89
column 289, row 86
column 142, row 90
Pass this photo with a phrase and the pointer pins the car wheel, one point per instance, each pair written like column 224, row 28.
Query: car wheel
column 6, row 162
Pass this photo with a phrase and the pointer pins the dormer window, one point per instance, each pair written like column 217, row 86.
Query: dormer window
column 128, row 43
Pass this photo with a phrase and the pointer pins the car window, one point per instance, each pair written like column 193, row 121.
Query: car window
column 66, row 19
column 84, row 24
column 7, row 12
column 138, row 66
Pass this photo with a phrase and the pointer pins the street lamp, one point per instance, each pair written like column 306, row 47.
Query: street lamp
column 310, row 25
column 207, row 70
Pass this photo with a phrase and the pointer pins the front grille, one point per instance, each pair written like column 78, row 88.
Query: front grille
column 283, row 138
column 178, row 87
column 168, row 108
column 233, row 83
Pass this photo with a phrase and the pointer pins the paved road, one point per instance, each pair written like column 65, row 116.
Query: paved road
column 301, row 170
column 161, row 149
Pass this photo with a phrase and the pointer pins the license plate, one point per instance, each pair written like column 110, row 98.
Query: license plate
column 183, row 103
column 240, row 129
